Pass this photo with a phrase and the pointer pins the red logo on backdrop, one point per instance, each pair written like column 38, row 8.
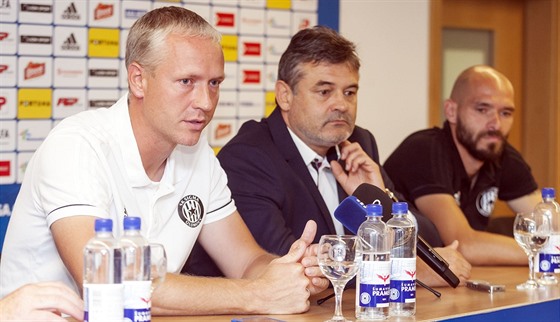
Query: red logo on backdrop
column 3, row 35
column 4, row 168
column 222, row 131
column 251, row 49
column 304, row 24
column 251, row 76
column 67, row 101
column 2, row 101
column 34, row 70
column 225, row 19
column 3, row 68
column 103, row 11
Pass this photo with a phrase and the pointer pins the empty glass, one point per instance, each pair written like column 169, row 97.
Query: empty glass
column 531, row 231
column 339, row 259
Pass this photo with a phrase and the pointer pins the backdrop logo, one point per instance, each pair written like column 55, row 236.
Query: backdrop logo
column 34, row 103
column 191, row 210
column 225, row 19
column 5, row 168
column 134, row 13
column 3, row 35
column 70, row 13
column 27, row 135
column 103, row 72
column 251, row 76
column 67, row 101
column 29, row 7
column 103, row 42
column 70, row 43
column 229, row 46
column 101, row 103
column 103, row 11
column 34, row 70
column 251, row 49
column 40, row 40
column 222, row 131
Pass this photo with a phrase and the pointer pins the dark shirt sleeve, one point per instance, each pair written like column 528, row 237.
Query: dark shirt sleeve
column 516, row 180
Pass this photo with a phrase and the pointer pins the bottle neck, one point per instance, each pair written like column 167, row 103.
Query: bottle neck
column 131, row 232
column 104, row 234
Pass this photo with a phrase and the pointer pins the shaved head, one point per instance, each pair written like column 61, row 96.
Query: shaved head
column 479, row 75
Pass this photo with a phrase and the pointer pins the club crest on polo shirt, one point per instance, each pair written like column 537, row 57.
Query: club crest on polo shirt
column 486, row 200
column 191, row 210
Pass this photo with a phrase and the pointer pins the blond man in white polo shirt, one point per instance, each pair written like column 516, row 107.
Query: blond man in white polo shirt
column 145, row 156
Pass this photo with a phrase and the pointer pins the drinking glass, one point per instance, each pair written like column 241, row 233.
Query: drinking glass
column 158, row 264
column 531, row 231
column 339, row 258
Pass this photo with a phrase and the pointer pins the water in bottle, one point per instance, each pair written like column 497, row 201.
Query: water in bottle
column 372, row 280
column 403, row 262
column 547, row 264
column 136, row 272
column 103, row 290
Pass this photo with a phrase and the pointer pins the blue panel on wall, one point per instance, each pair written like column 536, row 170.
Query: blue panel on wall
column 328, row 13
column 8, row 194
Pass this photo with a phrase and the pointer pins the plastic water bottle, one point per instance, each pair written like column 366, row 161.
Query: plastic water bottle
column 548, row 260
column 103, row 290
column 372, row 280
column 403, row 262
column 136, row 272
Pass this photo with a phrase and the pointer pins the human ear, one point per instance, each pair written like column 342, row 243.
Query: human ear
column 450, row 110
column 283, row 94
column 136, row 74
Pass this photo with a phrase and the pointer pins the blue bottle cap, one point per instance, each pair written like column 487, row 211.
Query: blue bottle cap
column 103, row 224
column 548, row 192
column 374, row 210
column 132, row 223
column 400, row 207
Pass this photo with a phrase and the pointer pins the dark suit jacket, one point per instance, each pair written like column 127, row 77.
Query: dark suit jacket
column 273, row 190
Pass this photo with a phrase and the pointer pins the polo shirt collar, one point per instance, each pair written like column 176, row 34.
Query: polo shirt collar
column 129, row 152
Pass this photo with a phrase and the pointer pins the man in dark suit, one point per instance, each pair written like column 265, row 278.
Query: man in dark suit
column 308, row 155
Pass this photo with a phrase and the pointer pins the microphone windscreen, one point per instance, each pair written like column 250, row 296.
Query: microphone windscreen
column 368, row 194
column 351, row 213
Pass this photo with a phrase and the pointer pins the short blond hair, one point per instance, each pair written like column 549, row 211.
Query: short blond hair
column 146, row 39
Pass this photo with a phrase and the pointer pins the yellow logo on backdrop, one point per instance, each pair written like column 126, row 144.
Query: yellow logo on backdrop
column 34, row 103
column 269, row 103
column 229, row 46
column 278, row 4
column 103, row 42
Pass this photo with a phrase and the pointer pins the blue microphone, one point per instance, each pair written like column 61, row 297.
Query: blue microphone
column 352, row 212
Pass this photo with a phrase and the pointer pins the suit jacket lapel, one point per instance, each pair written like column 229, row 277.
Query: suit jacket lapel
column 286, row 145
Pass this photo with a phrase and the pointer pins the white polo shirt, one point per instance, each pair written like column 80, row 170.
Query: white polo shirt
column 89, row 165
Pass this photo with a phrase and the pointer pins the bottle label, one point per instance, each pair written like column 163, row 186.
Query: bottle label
column 374, row 283
column 549, row 259
column 137, row 301
column 403, row 280
column 103, row 302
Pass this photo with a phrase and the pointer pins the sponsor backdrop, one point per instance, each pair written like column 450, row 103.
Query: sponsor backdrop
column 60, row 57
